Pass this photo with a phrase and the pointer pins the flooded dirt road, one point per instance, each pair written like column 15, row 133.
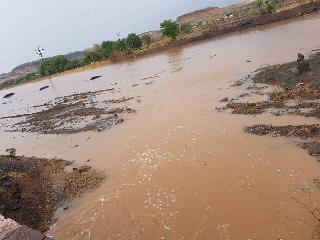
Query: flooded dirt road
column 178, row 168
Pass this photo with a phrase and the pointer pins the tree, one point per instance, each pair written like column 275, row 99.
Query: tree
column 170, row 29
column 133, row 41
column 146, row 39
column 119, row 45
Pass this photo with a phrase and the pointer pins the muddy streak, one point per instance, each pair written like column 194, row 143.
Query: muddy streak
column 179, row 169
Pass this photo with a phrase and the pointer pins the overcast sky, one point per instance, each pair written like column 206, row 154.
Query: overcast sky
column 62, row 26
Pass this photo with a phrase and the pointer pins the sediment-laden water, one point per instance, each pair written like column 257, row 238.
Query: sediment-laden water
column 178, row 168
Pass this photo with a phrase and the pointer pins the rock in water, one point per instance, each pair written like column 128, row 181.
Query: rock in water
column 95, row 77
column 8, row 95
column 303, row 66
column 42, row 88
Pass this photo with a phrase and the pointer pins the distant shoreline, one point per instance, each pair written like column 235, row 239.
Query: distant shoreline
column 210, row 22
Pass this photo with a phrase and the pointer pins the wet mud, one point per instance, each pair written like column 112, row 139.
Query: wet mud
column 309, row 133
column 292, row 92
column 31, row 188
column 73, row 114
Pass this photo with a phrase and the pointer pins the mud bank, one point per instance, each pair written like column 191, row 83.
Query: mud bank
column 292, row 92
column 72, row 114
column 31, row 188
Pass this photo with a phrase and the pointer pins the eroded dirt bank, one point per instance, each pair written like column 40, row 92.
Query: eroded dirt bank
column 177, row 168
column 31, row 189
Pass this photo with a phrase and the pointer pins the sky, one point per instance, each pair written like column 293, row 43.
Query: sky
column 63, row 26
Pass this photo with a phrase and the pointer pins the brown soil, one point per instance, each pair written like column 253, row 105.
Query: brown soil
column 31, row 189
column 309, row 133
column 252, row 108
column 120, row 100
column 293, row 93
column 73, row 114
column 286, row 75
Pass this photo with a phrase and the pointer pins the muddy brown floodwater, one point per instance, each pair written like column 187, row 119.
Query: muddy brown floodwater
column 178, row 168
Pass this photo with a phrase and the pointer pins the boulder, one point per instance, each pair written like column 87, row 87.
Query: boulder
column 303, row 66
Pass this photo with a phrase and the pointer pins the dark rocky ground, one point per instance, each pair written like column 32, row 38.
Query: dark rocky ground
column 296, row 90
column 31, row 188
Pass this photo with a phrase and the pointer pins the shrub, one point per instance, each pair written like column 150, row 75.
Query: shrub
column 266, row 6
column 186, row 29
column 107, row 45
column 117, row 56
column 74, row 64
column 133, row 41
column 52, row 66
column 170, row 29
column 146, row 39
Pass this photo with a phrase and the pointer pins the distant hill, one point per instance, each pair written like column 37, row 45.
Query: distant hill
column 30, row 67
column 198, row 15
column 193, row 18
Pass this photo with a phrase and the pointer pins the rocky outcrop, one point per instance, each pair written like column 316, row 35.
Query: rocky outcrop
column 11, row 230
column 303, row 66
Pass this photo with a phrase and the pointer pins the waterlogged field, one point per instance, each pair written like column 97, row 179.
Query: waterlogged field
column 176, row 167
